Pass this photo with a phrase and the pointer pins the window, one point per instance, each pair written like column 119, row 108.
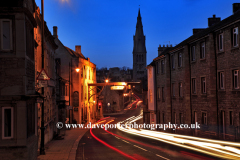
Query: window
column 157, row 67
column 142, row 58
column 66, row 90
column 158, row 93
column 7, row 122
column 202, row 50
column 137, row 58
column 203, row 85
column 193, row 56
column 204, row 118
column 180, row 90
column 230, row 117
column 162, row 66
column 163, row 93
column 194, row 85
column 235, row 79
column 180, row 118
column 173, row 89
column 235, row 37
column 221, row 80
column 6, row 35
column 180, row 60
column 220, row 42
column 89, row 73
column 150, row 95
column 163, row 118
column 172, row 62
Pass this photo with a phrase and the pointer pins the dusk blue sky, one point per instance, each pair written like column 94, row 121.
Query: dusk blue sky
column 105, row 28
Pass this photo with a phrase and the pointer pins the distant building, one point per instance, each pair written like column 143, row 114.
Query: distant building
column 76, row 83
column 198, row 80
column 115, row 74
column 139, row 52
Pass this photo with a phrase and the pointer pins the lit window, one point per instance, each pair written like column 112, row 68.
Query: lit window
column 220, row 42
column 7, row 122
column 221, row 80
column 193, row 56
column 203, row 84
column 235, row 37
column 194, row 85
column 180, row 60
column 235, row 79
column 202, row 51
column 150, row 95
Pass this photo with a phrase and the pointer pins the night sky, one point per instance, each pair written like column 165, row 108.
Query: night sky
column 105, row 28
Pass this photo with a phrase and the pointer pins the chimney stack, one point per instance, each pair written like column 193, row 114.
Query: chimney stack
column 213, row 20
column 236, row 7
column 78, row 49
column 55, row 34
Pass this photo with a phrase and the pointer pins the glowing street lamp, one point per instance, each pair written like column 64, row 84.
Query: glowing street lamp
column 106, row 80
column 77, row 69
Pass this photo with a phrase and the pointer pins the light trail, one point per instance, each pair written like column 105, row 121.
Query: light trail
column 217, row 148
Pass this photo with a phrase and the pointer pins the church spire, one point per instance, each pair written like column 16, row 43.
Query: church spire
column 139, row 51
column 139, row 38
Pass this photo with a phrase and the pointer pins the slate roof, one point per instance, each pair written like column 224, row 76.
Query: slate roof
column 75, row 54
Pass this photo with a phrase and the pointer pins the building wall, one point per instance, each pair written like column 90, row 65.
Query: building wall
column 212, row 106
column 17, row 84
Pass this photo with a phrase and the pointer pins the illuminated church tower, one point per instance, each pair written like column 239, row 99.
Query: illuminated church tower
column 139, row 51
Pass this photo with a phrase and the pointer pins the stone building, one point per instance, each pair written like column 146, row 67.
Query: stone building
column 76, row 82
column 18, row 129
column 198, row 80
column 50, row 106
column 139, row 52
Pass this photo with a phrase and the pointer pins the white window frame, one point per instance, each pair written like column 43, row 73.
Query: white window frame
column 11, row 38
column 193, row 53
column 202, row 52
column 220, row 42
column 235, row 41
column 221, row 80
column 236, row 82
column 179, row 59
column 203, row 85
column 3, row 129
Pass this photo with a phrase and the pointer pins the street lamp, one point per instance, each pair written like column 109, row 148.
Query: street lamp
column 106, row 80
column 42, row 149
column 77, row 69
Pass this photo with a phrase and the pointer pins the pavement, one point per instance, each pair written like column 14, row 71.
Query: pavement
column 64, row 149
